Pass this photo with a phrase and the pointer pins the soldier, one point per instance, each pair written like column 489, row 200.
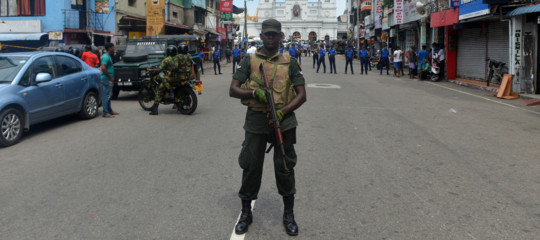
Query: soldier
column 285, row 74
column 169, row 65
column 186, row 69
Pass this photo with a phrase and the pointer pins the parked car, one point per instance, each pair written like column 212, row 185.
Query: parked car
column 40, row 86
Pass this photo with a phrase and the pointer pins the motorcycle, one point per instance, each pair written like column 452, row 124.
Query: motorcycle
column 185, row 99
column 496, row 71
column 435, row 70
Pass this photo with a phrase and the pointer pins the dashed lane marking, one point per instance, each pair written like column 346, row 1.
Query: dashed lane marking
column 322, row 85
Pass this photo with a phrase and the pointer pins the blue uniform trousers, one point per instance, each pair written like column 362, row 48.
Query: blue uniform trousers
column 348, row 60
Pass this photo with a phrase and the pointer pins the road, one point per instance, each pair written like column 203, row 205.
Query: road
column 379, row 158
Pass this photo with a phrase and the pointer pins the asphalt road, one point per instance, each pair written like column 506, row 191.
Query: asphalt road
column 379, row 158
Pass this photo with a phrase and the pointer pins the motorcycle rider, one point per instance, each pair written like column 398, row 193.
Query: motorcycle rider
column 186, row 69
column 170, row 66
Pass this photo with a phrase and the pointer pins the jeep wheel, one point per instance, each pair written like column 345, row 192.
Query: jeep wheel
column 89, row 107
column 11, row 127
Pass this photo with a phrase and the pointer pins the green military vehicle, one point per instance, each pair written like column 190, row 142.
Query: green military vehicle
column 144, row 53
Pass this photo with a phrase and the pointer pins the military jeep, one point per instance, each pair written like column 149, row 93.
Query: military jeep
column 144, row 53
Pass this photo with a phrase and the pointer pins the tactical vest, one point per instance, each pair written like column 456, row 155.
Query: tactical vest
column 277, row 73
column 184, row 67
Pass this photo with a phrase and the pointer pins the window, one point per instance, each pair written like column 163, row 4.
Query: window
column 175, row 14
column 67, row 65
column 280, row 12
column 312, row 11
column 41, row 65
column 132, row 3
column 22, row 8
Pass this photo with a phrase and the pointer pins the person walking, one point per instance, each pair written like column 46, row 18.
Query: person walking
column 201, row 57
column 332, row 59
column 322, row 52
column 217, row 56
column 236, row 52
column 315, row 55
column 298, row 53
column 349, row 54
column 292, row 50
column 284, row 72
column 364, row 60
column 385, row 53
column 107, row 80
column 228, row 54
column 398, row 61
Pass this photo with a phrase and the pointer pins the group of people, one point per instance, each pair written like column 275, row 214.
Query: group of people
column 420, row 62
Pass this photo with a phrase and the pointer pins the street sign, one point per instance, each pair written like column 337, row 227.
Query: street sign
column 219, row 38
column 245, row 39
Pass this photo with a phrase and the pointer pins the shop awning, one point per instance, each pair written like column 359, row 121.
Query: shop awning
column 534, row 8
column 445, row 18
column 21, row 36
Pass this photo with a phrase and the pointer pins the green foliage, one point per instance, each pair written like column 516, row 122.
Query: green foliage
column 388, row 3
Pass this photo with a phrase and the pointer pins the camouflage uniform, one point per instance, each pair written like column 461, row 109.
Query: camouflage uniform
column 170, row 66
column 184, row 66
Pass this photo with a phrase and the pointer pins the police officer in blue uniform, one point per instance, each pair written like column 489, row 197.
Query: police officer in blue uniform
column 332, row 59
column 349, row 53
column 236, row 57
column 322, row 52
column 384, row 59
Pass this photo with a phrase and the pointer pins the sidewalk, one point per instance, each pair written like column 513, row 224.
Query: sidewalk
column 528, row 99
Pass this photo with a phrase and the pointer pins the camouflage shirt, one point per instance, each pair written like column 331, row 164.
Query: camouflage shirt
column 170, row 65
column 184, row 62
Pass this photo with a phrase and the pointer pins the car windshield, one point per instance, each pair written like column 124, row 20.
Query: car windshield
column 145, row 47
column 10, row 66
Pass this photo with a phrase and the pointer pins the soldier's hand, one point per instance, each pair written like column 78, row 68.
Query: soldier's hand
column 280, row 115
column 260, row 95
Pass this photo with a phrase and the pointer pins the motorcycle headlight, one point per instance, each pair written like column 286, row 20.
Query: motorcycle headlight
column 143, row 73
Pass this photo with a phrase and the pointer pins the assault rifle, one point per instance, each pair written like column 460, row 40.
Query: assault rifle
column 273, row 115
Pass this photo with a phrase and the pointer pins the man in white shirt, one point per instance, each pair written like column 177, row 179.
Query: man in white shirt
column 252, row 49
column 440, row 55
column 398, row 61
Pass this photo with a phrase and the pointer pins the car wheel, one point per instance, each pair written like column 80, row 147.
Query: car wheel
column 11, row 127
column 90, row 105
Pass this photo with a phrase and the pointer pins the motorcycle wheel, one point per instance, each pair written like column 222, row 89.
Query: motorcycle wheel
column 188, row 102
column 146, row 98
column 434, row 77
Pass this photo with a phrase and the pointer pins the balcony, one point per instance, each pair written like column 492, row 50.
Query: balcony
column 84, row 20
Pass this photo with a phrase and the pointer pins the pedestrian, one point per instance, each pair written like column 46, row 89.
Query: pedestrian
column 398, row 61
column 441, row 56
column 322, row 52
column 107, row 81
column 422, row 55
column 332, row 59
column 370, row 53
column 228, row 54
column 298, row 53
column 385, row 53
column 285, row 72
column 221, row 53
column 413, row 59
column 252, row 49
column 236, row 52
column 217, row 56
column 281, row 48
column 349, row 54
column 89, row 57
column 364, row 60
column 201, row 57
column 292, row 50
column 315, row 55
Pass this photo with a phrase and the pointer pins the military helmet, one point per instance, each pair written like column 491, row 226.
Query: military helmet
column 75, row 51
column 171, row 50
column 183, row 48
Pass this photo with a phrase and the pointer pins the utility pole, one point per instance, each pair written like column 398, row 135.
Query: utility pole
column 245, row 21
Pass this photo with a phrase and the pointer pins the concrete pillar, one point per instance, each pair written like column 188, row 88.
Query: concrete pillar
column 423, row 33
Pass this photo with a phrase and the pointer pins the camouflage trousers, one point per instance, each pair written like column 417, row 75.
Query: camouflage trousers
column 164, row 88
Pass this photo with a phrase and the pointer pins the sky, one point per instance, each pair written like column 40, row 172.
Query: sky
column 252, row 6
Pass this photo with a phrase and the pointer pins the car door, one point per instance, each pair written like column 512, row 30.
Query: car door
column 44, row 99
column 71, row 75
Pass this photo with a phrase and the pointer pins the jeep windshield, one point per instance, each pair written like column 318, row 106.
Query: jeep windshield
column 145, row 47
column 10, row 66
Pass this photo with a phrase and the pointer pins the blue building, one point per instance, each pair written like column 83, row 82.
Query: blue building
column 28, row 24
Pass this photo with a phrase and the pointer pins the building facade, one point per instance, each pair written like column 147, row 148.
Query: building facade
column 300, row 19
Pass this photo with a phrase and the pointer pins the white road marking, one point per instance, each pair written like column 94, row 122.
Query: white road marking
column 323, row 85
column 235, row 236
column 485, row 98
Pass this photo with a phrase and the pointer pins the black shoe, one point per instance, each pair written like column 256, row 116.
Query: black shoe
column 215, row 73
column 291, row 228
column 220, row 73
column 246, row 218
column 154, row 109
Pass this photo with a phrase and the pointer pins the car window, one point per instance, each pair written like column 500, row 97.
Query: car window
column 40, row 65
column 10, row 66
column 67, row 65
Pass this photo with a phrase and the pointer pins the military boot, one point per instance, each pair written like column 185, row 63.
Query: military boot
column 288, row 216
column 154, row 109
column 246, row 218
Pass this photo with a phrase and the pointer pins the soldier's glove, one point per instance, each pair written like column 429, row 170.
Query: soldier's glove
column 260, row 95
column 280, row 115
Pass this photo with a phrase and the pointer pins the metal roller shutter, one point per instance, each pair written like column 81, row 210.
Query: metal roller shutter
column 471, row 54
column 498, row 42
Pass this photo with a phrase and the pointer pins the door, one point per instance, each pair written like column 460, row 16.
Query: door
column 44, row 99
column 71, row 75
